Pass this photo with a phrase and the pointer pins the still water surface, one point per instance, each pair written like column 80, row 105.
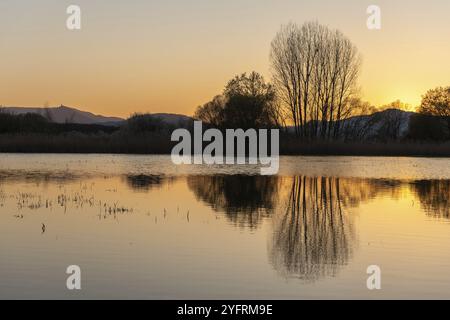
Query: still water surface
column 140, row 227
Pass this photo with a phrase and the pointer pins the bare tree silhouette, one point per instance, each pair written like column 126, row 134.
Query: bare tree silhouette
column 315, row 71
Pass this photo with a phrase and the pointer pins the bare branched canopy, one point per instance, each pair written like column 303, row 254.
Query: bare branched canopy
column 315, row 71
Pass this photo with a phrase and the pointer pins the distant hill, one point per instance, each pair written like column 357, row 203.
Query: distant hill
column 386, row 124
column 174, row 120
column 65, row 114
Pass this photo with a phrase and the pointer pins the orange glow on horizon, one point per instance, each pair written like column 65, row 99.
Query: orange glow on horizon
column 130, row 57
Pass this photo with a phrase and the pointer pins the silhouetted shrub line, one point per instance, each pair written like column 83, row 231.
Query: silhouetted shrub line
column 159, row 143
column 393, row 148
column 35, row 123
column 144, row 134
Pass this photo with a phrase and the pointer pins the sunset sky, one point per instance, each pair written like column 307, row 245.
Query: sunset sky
column 173, row 55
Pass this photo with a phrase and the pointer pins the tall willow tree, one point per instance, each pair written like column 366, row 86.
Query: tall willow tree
column 315, row 71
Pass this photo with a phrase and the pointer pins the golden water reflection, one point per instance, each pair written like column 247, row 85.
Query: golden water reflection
column 307, row 226
column 314, row 234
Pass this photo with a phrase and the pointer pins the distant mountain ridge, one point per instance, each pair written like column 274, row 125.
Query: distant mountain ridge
column 63, row 114
column 390, row 123
column 172, row 119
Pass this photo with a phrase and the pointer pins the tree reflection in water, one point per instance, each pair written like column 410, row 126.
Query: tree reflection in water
column 313, row 236
column 434, row 197
column 144, row 182
column 313, row 231
column 245, row 200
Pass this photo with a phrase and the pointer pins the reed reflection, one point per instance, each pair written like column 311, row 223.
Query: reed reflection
column 39, row 177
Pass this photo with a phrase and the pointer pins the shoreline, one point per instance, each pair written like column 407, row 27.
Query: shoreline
column 160, row 144
column 366, row 153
